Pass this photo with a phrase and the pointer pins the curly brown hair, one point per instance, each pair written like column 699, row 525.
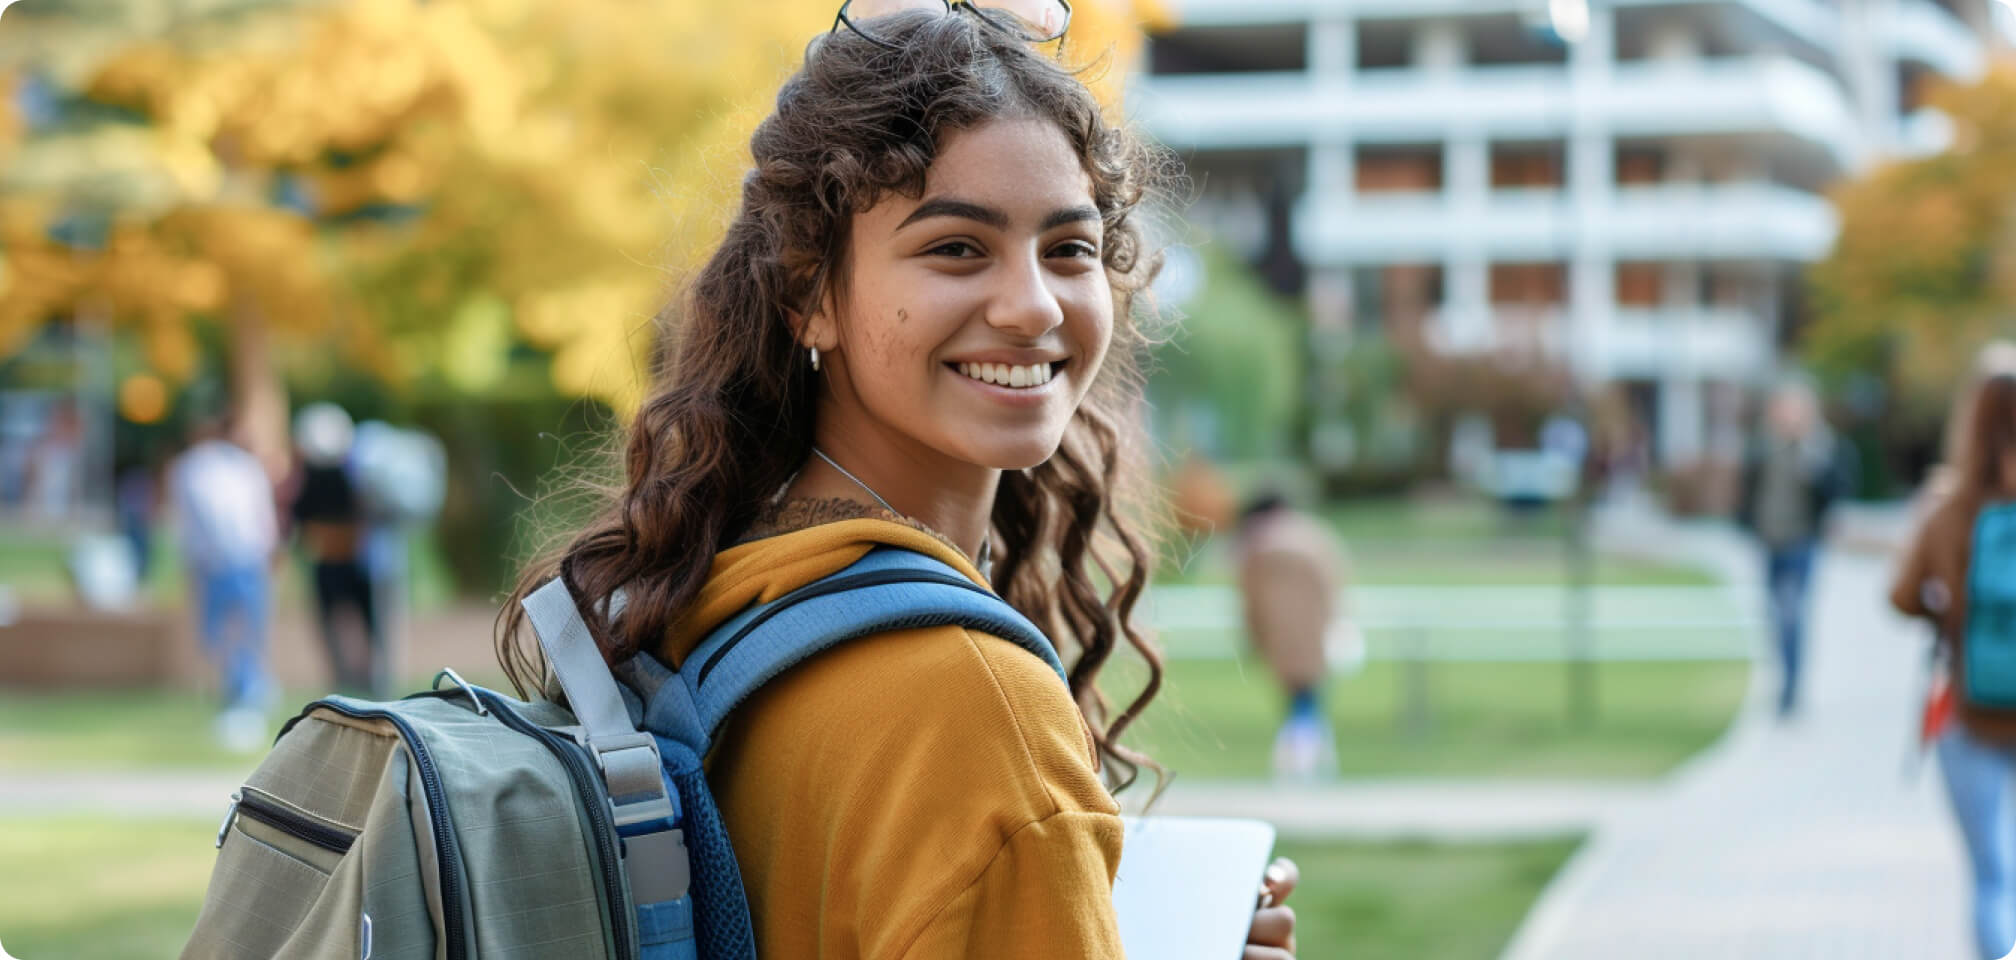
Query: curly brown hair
column 732, row 419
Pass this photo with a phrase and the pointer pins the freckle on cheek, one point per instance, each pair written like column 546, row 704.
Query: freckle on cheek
column 902, row 315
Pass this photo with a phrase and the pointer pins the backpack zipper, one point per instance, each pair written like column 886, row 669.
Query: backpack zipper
column 587, row 785
column 257, row 806
column 445, row 845
column 872, row 578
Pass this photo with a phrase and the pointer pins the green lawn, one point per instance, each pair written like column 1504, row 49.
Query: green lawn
column 126, row 889
column 1217, row 719
column 140, row 729
column 1442, row 543
column 35, row 567
column 1214, row 718
column 1467, row 518
column 76, row 888
column 110, row 730
column 1503, row 562
column 1416, row 901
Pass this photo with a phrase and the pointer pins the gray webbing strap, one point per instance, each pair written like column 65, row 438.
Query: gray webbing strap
column 628, row 757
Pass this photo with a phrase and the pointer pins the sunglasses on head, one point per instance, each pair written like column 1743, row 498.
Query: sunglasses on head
column 1037, row 21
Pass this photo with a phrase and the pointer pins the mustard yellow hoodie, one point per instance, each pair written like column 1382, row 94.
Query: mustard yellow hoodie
column 918, row 793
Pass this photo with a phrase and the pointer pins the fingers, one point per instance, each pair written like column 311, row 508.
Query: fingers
column 1282, row 876
column 1273, row 927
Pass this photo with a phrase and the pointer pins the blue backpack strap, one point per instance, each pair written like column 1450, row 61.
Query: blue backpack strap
column 888, row 589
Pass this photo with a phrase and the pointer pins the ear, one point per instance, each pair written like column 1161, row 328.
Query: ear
column 815, row 329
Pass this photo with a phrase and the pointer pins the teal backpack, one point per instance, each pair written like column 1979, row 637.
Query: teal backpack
column 1989, row 653
column 464, row 824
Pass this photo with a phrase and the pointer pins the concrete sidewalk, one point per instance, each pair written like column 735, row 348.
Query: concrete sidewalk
column 1804, row 839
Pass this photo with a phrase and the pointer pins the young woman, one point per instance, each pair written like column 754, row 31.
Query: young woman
column 1977, row 755
column 918, row 332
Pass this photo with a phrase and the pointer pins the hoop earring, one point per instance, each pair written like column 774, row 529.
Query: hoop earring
column 815, row 358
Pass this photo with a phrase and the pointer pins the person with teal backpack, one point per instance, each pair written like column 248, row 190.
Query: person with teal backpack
column 822, row 676
column 1960, row 573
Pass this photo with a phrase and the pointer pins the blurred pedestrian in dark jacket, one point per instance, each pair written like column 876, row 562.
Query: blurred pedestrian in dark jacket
column 329, row 520
column 1797, row 467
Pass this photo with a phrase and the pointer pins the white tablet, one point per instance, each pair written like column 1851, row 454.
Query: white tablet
column 1187, row 886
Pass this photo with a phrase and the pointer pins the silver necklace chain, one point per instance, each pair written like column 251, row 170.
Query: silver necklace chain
column 986, row 559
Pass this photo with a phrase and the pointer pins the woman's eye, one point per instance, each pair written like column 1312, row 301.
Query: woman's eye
column 956, row 248
column 1077, row 248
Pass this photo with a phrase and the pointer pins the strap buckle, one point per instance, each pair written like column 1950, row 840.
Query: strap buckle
column 658, row 866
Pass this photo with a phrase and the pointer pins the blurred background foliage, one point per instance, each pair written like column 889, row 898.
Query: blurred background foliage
column 464, row 214
column 1226, row 378
column 1922, row 273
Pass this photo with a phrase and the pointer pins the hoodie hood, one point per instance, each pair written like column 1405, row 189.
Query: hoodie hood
column 795, row 544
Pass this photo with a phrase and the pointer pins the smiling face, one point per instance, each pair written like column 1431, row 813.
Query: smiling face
column 975, row 316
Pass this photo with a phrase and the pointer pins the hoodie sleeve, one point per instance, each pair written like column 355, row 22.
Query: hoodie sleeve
column 1047, row 893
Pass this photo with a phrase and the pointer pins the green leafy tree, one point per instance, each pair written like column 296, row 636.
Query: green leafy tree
column 1924, row 270
column 1229, row 378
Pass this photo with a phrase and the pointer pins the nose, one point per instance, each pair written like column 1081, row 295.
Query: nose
column 1023, row 303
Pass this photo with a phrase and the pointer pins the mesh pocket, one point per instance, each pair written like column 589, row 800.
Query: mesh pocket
column 720, row 906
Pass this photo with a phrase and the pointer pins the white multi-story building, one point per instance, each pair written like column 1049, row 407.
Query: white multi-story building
column 1632, row 186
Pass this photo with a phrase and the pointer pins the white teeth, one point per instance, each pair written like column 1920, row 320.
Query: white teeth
column 1033, row 375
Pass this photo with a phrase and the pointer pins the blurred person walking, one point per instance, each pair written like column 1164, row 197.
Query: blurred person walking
column 1965, row 543
column 329, row 520
column 224, row 512
column 1290, row 573
column 1795, row 471
column 400, row 477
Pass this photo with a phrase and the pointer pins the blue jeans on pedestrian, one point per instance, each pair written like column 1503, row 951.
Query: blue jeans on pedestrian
column 1977, row 778
column 235, row 609
column 1788, row 572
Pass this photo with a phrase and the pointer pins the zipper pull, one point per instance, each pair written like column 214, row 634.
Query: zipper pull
column 230, row 814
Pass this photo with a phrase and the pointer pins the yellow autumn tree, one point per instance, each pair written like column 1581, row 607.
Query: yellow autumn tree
column 420, row 185
column 1924, row 269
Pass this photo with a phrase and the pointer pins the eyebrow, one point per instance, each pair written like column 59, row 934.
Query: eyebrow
column 979, row 213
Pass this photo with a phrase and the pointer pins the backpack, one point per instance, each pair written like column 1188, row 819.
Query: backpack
column 1988, row 654
column 464, row 824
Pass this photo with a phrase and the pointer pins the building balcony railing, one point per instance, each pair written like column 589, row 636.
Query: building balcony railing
column 1712, row 341
column 1635, row 342
column 1504, row 329
column 1660, row 222
column 1738, row 220
column 1930, row 34
column 1811, row 20
column 1759, row 95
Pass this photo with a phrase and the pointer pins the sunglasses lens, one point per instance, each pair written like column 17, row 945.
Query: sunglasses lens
column 860, row 10
column 1036, row 19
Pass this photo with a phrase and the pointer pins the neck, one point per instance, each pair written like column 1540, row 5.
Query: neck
column 952, row 497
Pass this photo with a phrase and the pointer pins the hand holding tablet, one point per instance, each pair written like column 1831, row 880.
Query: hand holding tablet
column 1186, row 890
column 1273, row 934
